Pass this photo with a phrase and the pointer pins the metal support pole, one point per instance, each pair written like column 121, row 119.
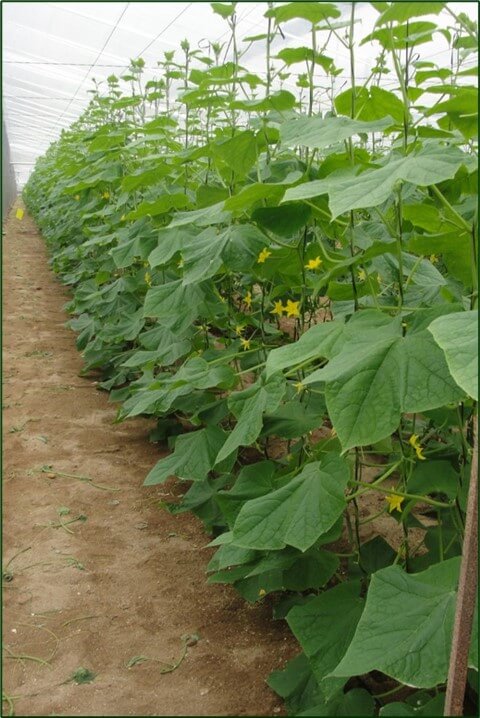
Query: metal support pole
column 466, row 597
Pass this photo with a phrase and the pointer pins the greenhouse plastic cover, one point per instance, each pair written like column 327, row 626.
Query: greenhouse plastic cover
column 51, row 50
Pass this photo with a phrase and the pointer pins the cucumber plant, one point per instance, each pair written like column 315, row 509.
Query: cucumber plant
column 286, row 281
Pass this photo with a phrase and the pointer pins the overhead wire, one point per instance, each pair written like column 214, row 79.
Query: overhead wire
column 94, row 62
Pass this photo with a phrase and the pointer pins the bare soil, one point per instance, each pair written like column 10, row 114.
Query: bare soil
column 130, row 579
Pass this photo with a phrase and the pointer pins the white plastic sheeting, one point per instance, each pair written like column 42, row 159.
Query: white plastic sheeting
column 9, row 188
column 51, row 50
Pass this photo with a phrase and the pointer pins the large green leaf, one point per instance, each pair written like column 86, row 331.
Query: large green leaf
column 370, row 384
column 317, row 132
column 160, row 206
column 416, row 611
column 143, row 178
column 170, row 241
column 192, row 459
column 238, row 153
column 175, row 305
column 237, row 246
column 457, row 335
column 313, row 12
column 298, row 513
column 293, row 55
column 432, row 164
column 278, row 101
column 401, row 12
column 325, row 627
column 454, row 247
column 370, row 104
column 314, row 343
column 249, row 406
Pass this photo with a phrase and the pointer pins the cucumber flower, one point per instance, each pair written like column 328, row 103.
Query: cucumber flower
column 362, row 275
column 264, row 254
column 292, row 309
column 248, row 299
column 394, row 502
column 414, row 442
column 313, row 263
column 245, row 344
column 278, row 308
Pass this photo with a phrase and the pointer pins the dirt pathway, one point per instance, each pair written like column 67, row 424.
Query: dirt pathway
column 130, row 579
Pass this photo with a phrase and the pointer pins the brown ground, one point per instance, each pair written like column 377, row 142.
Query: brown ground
column 128, row 581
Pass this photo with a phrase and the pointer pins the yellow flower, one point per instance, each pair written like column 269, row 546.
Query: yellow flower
column 333, row 431
column 292, row 309
column 262, row 592
column 245, row 344
column 106, row 195
column 433, row 258
column 248, row 299
column 299, row 387
column 239, row 329
column 313, row 263
column 77, row 197
column 394, row 502
column 278, row 308
column 264, row 254
column 414, row 442
column 148, row 279
column 362, row 275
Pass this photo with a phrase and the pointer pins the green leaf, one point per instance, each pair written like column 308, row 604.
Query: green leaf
column 237, row 246
column 223, row 9
column 316, row 342
column 170, row 241
column 238, row 153
column 370, row 104
column 455, row 248
column 192, row 459
column 202, row 256
column 285, row 221
column 369, row 385
column 417, row 610
column 291, row 420
column 144, row 178
column 401, row 12
column 298, row 513
column 139, row 247
column 433, row 707
column 249, row 406
column 457, row 335
column 279, row 101
column 313, row 12
column 318, row 133
column 296, row 684
column 293, row 55
column 160, row 206
column 430, row 165
column 423, row 215
column 325, row 627
column 434, row 477
column 356, row 702
column 175, row 305
column 214, row 214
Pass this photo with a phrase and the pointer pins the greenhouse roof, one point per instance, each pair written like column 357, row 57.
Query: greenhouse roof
column 51, row 50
